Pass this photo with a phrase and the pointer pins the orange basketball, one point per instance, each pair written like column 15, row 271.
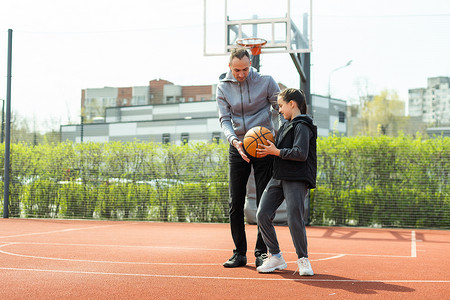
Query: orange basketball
column 256, row 136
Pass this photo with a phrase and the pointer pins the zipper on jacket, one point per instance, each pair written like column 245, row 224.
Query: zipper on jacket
column 242, row 108
column 248, row 92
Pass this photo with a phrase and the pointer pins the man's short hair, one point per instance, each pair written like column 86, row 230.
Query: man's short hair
column 238, row 53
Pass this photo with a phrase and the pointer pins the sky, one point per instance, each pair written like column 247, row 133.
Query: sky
column 62, row 47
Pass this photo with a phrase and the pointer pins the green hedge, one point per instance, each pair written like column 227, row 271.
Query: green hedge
column 142, row 181
column 362, row 181
column 383, row 181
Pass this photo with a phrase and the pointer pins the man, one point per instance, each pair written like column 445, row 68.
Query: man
column 244, row 99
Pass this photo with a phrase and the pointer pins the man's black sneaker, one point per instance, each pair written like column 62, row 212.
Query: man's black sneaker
column 237, row 260
column 260, row 259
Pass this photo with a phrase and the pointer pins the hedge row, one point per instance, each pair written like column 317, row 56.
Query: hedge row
column 363, row 181
column 144, row 181
column 187, row 202
column 383, row 181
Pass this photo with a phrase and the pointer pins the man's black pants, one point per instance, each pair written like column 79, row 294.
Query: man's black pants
column 239, row 173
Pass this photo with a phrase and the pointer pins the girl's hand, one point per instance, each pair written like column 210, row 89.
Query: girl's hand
column 264, row 150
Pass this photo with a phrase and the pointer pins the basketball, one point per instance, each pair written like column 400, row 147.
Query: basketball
column 256, row 136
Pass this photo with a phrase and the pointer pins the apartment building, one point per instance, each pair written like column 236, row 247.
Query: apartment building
column 431, row 104
column 95, row 101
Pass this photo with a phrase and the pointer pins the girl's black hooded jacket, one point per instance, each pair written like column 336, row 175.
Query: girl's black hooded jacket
column 296, row 140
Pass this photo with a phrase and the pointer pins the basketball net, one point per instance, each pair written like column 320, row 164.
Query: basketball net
column 255, row 44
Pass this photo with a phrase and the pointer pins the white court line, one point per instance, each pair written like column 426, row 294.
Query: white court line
column 332, row 255
column 140, row 263
column 124, row 262
column 336, row 255
column 118, row 246
column 103, row 261
column 55, row 231
column 328, row 258
column 192, row 249
column 224, row 277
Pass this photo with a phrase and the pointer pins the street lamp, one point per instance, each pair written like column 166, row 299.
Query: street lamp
column 329, row 77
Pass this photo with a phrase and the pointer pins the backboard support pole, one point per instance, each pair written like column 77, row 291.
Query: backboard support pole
column 305, row 84
column 298, row 65
column 255, row 62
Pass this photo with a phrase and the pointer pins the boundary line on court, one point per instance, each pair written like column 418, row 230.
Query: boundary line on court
column 56, row 231
column 224, row 278
column 413, row 242
column 123, row 262
column 333, row 255
column 185, row 248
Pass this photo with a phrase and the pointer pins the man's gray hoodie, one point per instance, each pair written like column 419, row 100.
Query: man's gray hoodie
column 243, row 106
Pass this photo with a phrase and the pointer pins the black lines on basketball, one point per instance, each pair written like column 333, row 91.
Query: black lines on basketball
column 255, row 137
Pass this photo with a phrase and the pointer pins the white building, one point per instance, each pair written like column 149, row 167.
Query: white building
column 94, row 101
column 432, row 104
column 175, row 123
column 184, row 122
column 329, row 115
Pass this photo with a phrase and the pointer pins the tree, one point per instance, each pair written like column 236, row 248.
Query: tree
column 383, row 114
column 25, row 131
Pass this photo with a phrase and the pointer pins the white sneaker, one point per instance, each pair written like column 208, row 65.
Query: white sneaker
column 304, row 267
column 271, row 264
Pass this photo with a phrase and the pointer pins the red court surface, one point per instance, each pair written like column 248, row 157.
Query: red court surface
column 73, row 259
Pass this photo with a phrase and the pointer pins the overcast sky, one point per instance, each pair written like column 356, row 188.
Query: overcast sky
column 62, row 47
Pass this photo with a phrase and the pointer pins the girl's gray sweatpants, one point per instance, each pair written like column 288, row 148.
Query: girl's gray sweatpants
column 294, row 192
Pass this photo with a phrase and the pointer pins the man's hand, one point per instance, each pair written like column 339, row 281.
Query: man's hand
column 238, row 145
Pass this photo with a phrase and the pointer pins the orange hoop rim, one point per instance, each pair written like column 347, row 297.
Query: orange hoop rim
column 255, row 44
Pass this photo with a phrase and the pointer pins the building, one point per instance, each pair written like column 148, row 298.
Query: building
column 166, row 112
column 329, row 115
column 166, row 123
column 185, row 121
column 431, row 104
column 438, row 131
column 164, row 92
column 95, row 101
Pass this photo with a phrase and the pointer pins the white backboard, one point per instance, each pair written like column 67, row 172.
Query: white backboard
column 285, row 24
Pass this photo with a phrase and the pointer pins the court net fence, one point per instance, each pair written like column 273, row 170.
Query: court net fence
column 361, row 181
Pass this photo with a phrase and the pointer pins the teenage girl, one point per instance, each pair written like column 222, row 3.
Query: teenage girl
column 294, row 172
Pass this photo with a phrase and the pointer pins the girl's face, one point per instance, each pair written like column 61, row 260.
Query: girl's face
column 285, row 108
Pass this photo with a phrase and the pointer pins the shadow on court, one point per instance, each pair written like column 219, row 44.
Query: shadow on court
column 348, row 284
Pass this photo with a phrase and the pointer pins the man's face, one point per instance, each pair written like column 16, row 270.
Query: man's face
column 240, row 68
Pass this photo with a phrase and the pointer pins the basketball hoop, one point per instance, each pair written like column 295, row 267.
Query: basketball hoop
column 255, row 44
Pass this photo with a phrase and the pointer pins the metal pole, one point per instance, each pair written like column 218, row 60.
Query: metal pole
column 255, row 62
column 8, row 128
column 255, row 58
column 82, row 129
column 3, row 121
column 305, row 85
